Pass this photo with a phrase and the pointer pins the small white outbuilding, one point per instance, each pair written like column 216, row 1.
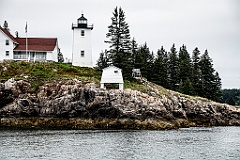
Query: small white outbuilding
column 112, row 75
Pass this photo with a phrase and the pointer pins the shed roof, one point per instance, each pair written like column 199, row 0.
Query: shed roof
column 112, row 74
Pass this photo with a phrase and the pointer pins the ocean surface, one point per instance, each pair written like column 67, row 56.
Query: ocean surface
column 216, row 143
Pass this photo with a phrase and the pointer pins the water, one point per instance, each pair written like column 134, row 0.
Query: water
column 191, row 143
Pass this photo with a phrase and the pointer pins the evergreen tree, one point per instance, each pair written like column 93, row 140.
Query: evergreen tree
column 186, row 87
column 119, row 39
column 60, row 57
column 103, row 60
column 185, row 70
column 196, row 72
column 150, row 65
column 118, row 34
column 207, row 77
column 160, row 75
column 217, row 88
column 134, row 48
column 144, row 60
column 173, row 68
column 231, row 96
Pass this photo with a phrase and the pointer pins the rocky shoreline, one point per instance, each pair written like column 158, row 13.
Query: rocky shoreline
column 73, row 105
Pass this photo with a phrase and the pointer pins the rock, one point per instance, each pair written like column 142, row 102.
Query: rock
column 9, row 84
column 72, row 99
column 5, row 68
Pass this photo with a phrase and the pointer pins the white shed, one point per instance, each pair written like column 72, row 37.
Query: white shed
column 112, row 75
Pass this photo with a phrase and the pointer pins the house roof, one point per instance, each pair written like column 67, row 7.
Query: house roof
column 82, row 18
column 7, row 33
column 112, row 67
column 36, row 44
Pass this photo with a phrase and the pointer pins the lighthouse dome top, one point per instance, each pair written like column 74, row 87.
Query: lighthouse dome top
column 82, row 23
column 82, row 18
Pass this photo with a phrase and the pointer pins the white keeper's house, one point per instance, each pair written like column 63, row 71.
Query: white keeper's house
column 37, row 49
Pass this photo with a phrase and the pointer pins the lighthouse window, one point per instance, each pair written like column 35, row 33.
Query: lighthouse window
column 82, row 33
column 82, row 53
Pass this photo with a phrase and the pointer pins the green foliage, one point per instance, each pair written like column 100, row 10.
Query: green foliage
column 60, row 57
column 185, row 69
column 186, row 87
column 173, row 68
column 210, row 82
column 104, row 60
column 196, row 72
column 41, row 72
column 119, row 39
column 135, row 86
column 231, row 96
column 134, row 48
column 118, row 33
column 144, row 61
column 160, row 69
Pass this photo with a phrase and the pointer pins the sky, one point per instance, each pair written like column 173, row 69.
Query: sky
column 207, row 24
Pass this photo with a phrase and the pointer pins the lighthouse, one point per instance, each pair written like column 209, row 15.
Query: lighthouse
column 82, row 43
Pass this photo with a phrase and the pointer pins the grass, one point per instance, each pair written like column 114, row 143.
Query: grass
column 135, row 86
column 41, row 72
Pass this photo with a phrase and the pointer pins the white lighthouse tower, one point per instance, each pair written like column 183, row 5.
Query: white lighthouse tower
column 82, row 43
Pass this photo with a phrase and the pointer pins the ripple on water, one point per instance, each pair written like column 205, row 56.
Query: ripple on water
column 187, row 143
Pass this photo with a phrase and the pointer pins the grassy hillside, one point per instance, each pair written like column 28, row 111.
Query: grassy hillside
column 42, row 72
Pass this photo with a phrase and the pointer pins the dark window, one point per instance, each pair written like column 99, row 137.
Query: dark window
column 115, row 71
column 82, row 53
column 7, row 53
column 7, row 42
column 82, row 33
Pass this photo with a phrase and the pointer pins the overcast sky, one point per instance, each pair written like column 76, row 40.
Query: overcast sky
column 207, row 24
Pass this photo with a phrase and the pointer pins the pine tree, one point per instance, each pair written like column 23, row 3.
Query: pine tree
column 144, row 61
column 103, row 60
column 119, row 39
column 186, row 87
column 217, row 88
column 134, row 48
column 196, row 72
column 173, row 68
column 160, row 75
column 60, row 57
column 185, row 71
column 207, row 77
column 118, row 34
column 231, row 96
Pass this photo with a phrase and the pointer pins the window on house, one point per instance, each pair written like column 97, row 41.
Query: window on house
column 82, row 33
column 82, row 53
column 7, row 42
column 116, row 71
column 7, row 53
